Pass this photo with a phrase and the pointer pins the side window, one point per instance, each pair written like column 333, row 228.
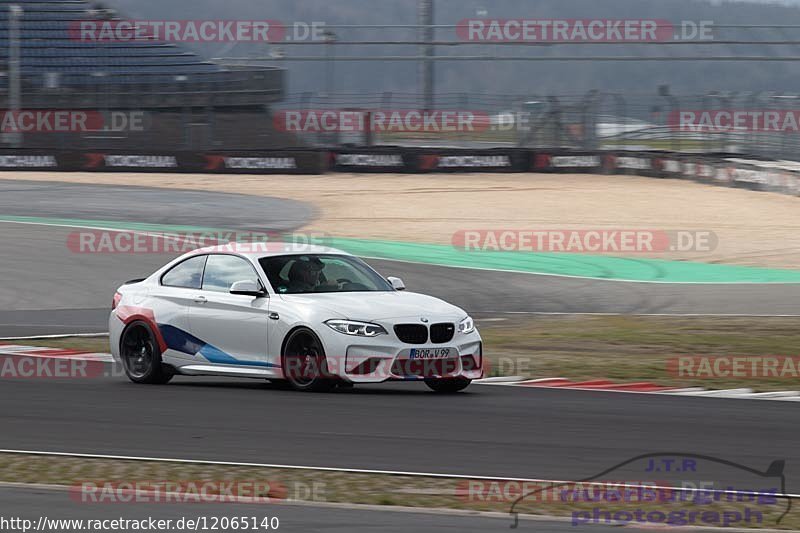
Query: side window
column 188, row 274
column 222, row 271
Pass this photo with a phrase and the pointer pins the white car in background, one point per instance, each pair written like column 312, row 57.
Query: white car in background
column 315, row 317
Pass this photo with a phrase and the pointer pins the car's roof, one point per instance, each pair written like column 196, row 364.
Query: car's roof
column 258, row 250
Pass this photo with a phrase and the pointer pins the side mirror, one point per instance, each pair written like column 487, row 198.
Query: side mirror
column 248, row 288
column 397, row 283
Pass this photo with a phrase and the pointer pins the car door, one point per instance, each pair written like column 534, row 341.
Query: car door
column 230, row 328
column 172, row 300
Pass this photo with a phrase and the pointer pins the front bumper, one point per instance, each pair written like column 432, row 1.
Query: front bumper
column 384, row 358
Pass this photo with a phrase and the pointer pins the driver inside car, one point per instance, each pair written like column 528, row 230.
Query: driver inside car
column 306, row 276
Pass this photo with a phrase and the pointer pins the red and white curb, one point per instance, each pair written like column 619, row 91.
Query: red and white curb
column 53, row 353
column 599, row 385
column 604, row 385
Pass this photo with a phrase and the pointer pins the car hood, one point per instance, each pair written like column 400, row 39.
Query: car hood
column 376, row 306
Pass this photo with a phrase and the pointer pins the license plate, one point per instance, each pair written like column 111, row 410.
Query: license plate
column 430, row 353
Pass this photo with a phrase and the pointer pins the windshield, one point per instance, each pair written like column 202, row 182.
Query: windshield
column 302, row 274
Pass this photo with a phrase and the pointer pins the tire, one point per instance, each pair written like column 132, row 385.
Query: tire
column 141, row 356
column 304, row 365
column 448, row 386
column 279, row 384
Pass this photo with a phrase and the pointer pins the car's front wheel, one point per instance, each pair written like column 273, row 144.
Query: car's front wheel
column 141, row 356
column 304, row 365
column 448, row 386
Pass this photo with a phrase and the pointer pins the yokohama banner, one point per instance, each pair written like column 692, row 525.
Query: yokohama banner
column 465, row 160
column 296, row 162
column 373, row 160
column 715, row 169
column 277, row 162
column 419, row 160
column 568, row 162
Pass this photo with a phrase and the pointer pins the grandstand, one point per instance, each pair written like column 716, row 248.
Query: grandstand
column 190, row 103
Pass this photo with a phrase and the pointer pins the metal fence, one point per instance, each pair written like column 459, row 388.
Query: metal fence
column 723, row 122
column 756, row 124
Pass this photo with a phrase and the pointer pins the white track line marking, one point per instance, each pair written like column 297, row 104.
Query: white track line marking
column 499, row 379
column 507, row 381
column 268, row 465
column 687, row 389
column 776, row 394
column 53, row 353
column 60, row 336
column 726, row 393
column 369, row 471
column 364, row 507
column 432, row 511
column 163, row 234
column 689, row 392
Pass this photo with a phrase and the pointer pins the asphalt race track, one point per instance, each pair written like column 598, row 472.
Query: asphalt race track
column 45, row 288
column 489, row 431
column 153, row 205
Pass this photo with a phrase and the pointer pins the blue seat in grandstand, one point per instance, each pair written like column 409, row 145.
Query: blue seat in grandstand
column 191, row 103
column 47, row 45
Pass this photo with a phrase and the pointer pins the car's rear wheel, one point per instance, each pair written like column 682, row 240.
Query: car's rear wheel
column 448, row 386
column 304, row 365
column 141, row 356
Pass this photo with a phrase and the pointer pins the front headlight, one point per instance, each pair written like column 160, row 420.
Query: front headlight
column 466, row 326
column 355, row 328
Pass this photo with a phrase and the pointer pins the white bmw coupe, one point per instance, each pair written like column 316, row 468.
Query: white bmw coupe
column 311, row 316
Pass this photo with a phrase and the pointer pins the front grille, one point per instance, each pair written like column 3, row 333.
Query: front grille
column 441, row 333
column 412, row 333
